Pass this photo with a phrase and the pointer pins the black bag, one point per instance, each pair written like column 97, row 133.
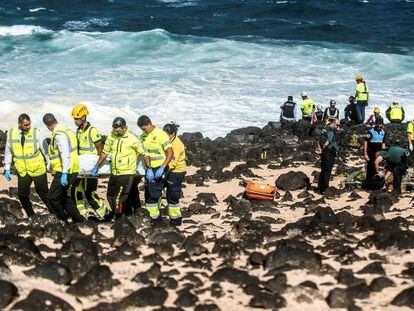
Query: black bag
column 374, row 183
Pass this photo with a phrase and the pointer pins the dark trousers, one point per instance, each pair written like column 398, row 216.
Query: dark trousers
column 153, row 190
column 23, row 185
column 61, row 198
column 398, row 171
column 360, row 110
column 174, row 187
column 327, row 163
column 122, row 194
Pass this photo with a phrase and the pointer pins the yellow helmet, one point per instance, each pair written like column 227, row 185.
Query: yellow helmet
column 79, row 111
column 377, row 110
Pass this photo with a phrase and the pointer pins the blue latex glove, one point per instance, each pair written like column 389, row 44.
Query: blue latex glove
column 64, row 179
column 159, row 172
column 149, row 175
column 94, row 171
column 7, row 174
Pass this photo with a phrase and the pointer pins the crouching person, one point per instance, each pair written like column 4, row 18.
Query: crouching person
column 124, row 148
column 176, row 173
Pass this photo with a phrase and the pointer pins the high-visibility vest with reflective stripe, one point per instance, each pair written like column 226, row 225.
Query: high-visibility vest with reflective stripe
column 396, row 112
column 54, row 154
column 28, row 159
column 362, row 91
column 123, row 150
column 155, row 143
column 307, row 106
column 85, row 141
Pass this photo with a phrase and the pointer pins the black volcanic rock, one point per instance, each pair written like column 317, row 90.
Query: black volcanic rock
column 8, row 292
column 96, row 281
column 53, row 271
column 44, row 301
column 293, row 181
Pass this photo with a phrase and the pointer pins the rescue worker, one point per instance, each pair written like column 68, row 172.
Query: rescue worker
column 158, row 148
column 327, row 149
column 362, row 97
column 374, row 142
column 307, row 107
column 287, row 110
column 395, row 113
column 350, row 110
column 372, row 118
column 331, row 112
column 64, row 162
column 24, row 147
column 89, row 142
column 397, row 160
column 125, row 148
column 175, row 175
column 410, row 135
column 317, row 116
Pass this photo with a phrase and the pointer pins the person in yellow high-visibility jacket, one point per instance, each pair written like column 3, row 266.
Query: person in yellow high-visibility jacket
column 362, row 97
column 395, row 113
column 64, row 162
column 25, row 148
column 176, row 173
column 89, row 142
column 124, row 148
column 307, row 107
column 158, row 148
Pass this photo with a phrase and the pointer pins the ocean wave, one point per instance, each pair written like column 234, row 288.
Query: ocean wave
column 205, row 84
column 21, row 30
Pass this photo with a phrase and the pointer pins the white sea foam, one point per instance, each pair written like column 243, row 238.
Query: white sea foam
column 205, row 84
column 20, row 30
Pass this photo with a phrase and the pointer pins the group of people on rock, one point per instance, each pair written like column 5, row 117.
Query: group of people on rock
column 397, row 159
column 159, row 151
column 354, row 112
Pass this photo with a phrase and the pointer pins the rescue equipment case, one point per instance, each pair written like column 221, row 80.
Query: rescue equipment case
column 260, row 191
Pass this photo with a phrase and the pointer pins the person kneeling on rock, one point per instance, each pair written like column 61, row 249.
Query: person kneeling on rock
column 327, row 149
column 397, row 162
column 176, row 173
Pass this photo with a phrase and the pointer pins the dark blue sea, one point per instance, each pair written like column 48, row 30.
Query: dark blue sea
column 211, row 66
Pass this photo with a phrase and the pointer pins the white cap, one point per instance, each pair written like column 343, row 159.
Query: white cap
column 303, row 94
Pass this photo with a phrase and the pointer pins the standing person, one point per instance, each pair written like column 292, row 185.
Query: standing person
column 64, row 162
column 125, row 148
column 397, row 160
column 89, row 142
column 373, row 143
column 24, row 147
column 176, row 173
column 307, row 107
column 327, row 149
column 372, row 118
column 362, row 97
column 410, row 135
column 395, row 113
column 331, row 112
column 317, row 116
column 287, row 110
column 158, row 148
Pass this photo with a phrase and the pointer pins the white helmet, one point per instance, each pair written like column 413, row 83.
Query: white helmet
column 304, row 94
column 319, row 107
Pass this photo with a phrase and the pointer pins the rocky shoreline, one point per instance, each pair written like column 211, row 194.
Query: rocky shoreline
column 349, row 249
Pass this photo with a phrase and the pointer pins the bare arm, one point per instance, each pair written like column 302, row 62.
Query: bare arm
column 101, row 159
column 378, row 160
column 170, row 154
column 99, row 146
